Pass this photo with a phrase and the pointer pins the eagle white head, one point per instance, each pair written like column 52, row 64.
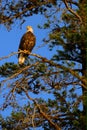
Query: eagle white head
column 29, row 28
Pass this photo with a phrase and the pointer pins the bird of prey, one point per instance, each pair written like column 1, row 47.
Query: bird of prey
column 27, row 43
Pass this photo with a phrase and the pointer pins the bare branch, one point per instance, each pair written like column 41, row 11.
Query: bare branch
column 11, row 54
column 72, row 11
column 33, row 116
column 45, row 60
column 81, row 78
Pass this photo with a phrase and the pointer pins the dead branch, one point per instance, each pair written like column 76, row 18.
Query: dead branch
column 11, row 54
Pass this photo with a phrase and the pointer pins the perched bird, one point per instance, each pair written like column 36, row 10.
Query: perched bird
column 27, row 43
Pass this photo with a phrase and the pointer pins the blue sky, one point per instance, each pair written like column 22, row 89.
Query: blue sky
column 10, row 39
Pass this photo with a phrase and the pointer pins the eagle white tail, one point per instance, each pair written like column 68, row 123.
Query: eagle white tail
column 21, row 59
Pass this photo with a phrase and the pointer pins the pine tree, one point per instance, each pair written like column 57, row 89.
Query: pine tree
column 61, row 77
column 71, row 36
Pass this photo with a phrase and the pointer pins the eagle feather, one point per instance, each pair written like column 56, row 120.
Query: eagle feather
column 27, row 43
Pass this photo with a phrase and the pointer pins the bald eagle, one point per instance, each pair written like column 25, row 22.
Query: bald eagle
column 27, row 43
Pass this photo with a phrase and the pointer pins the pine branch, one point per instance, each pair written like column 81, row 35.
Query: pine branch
column 50, row 62
column 6, row 19
column 46, row 116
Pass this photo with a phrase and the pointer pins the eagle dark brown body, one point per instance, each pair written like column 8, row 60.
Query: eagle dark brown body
column 26, row 44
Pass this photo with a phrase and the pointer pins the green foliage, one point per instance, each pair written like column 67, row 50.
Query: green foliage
column 11, row 11
column 8, row 69
column 43, row 93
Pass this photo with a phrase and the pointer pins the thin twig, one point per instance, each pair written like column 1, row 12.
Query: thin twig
column 11, row 54
column 33, row 116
